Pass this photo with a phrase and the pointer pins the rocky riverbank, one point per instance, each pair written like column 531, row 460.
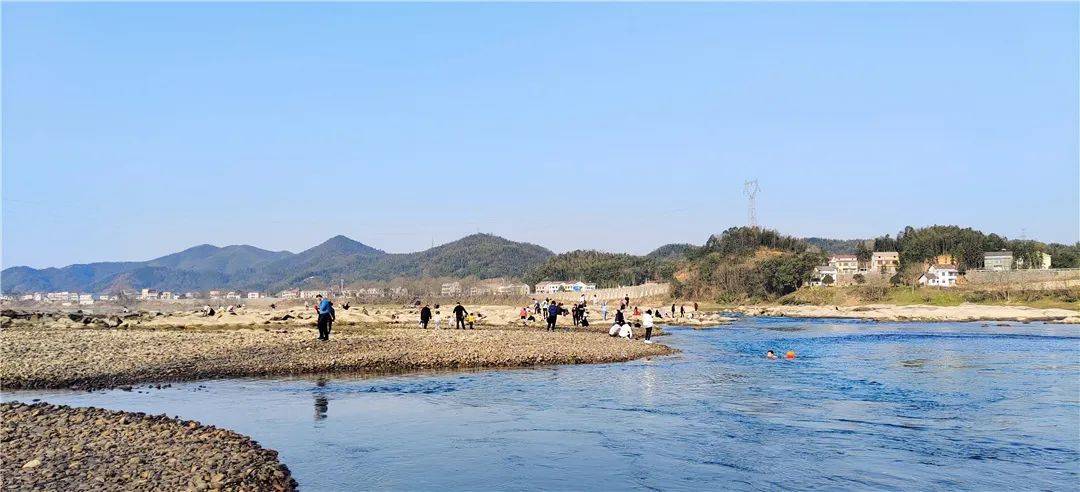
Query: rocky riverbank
column 100, row 358
column 887, row 312
column 291, row 313
column 49, row 447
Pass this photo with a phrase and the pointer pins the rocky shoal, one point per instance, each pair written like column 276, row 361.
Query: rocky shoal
column 50, row 447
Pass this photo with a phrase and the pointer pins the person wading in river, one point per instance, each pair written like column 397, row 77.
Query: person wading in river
column 459, row 316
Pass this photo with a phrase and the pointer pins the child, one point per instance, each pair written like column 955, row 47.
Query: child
column 470, row 319
column 770, row 355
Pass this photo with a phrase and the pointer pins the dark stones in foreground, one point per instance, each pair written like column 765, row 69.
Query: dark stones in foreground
column 50, row 447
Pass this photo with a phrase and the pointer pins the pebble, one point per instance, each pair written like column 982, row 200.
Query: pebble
column 109, row 450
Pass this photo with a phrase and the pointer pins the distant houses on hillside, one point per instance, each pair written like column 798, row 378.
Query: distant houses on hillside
column 551, row 287
column 941, row 271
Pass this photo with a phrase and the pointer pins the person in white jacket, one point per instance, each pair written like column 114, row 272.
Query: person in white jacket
column 647, row 323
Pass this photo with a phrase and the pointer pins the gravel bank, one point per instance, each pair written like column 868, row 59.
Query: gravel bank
column 86, row 359
column 49, row 447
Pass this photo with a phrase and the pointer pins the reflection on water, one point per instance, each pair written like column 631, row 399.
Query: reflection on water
column 321, row 405
column 864, row 406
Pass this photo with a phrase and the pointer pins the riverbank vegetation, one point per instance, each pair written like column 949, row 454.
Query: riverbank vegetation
column 880, row 294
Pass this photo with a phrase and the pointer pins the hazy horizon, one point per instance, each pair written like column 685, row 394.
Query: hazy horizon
column 132, row 131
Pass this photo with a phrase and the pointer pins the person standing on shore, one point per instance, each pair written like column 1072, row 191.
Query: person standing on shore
column 325, row 311
column 425, row 316
column 459, row 316
column 552, row 316
column 647, row 323
column 672, row 310
column 603, row 310
column 438, row 318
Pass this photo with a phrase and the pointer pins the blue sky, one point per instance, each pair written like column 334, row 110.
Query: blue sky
column 135, row 130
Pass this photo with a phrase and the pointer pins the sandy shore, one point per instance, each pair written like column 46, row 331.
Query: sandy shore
column 49, row 447
column 886, row 312
column 98, row 358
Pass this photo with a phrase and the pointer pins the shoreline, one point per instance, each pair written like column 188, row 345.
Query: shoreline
column 66, row 448
column 916, row 313
column 89, row 359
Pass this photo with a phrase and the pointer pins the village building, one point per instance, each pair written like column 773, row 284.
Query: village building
column 547, row 287
column 214, row 294
column 289, row 294
column 940, row 276
column 579, row 286
column 311, row 294
column 451, row 288
column 481, row 290
column 822, row 271
column 998, row 260
column 233, row 295
column 844, row 264
column 513, row 289
column 253, row 295
column 148, row 294
column 1042, row 262
column 372, row 292
column 887, row 262
column 86, row 299
column 399, row 291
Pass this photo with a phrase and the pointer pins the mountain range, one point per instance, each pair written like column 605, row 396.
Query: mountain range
column 246, row 267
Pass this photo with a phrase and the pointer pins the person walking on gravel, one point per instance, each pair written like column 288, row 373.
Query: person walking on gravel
column 425, row 316
column 459, row 316
column 552, row 316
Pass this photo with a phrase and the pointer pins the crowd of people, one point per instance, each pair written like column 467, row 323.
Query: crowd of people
column 549, row 310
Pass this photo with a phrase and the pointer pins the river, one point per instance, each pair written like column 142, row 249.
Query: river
column 863, row 406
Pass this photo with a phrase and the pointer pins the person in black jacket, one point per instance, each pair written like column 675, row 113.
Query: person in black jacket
column 620, row 319
column 425, row 316
column 459, row 316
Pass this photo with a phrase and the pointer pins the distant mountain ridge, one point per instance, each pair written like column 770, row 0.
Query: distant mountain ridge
column 339, row 258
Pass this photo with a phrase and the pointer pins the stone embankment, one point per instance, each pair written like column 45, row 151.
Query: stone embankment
column 49, row 447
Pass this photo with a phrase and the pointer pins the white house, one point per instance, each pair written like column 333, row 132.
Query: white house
column 233, row 295
column 548, row 287
column 820, row 272
column 844, row 264
column 252, row 295
column 940, row 276
column 579, row 286
column 289, row 294
column 86, row 299
column 311, row 294
column 451, row 288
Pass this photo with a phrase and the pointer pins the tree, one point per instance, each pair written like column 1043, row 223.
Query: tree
column 859, row 278
column 827, row 280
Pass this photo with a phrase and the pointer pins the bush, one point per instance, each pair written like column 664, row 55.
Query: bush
column 859, row 278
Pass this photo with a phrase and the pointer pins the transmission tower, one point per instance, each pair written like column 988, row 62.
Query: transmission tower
column 751, row 189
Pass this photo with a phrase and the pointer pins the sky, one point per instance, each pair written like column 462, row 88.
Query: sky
column 134, row 130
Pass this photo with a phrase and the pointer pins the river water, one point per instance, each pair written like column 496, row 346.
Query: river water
column 863, row 406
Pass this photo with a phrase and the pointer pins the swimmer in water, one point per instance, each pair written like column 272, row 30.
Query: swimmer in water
column 770, row 355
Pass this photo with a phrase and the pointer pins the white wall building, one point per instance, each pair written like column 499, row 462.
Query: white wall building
column 940, row 276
